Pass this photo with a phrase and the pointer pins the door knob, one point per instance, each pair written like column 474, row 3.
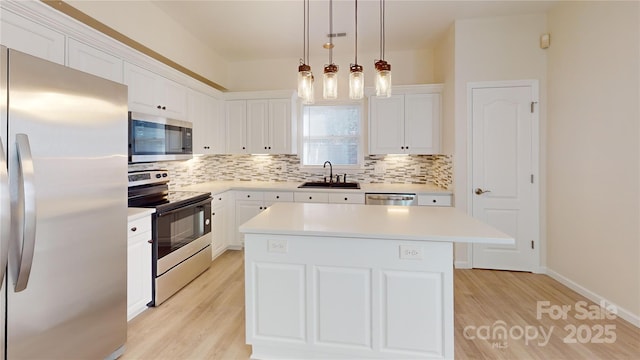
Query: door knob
column 480, row 191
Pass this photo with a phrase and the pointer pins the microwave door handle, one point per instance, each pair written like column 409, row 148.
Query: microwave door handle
column 5, row 213
column 27, row 198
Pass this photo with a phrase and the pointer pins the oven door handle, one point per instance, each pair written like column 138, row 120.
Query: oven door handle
column 198, row 204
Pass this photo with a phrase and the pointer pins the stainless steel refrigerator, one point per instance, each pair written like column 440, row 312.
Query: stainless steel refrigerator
column 63, row 207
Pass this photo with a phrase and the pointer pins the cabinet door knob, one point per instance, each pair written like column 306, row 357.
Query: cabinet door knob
column 164, row 108
column 406, row 147
column 159, row 107
column 265, row 148
column 248, row 196
column 269, row 147
column 134, row 228
column 277, row 196
column 345, row 199
column 243, row 148
column 310, row 198
column 402, row 147
column 150, row 241
column 213, row 214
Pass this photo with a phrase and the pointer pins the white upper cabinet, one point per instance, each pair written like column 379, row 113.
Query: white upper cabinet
column 94, row 61
column 208, row 124
column 32, row 38
column 236, row 122
column 406, row 123
column 280, row 124
column 153, row 94
column 259, row 126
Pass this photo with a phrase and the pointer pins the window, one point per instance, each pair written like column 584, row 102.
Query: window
column 331, row 132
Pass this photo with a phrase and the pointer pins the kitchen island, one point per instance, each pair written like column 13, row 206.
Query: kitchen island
column 354, row 281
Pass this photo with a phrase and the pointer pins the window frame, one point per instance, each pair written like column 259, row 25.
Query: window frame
column 348, row 169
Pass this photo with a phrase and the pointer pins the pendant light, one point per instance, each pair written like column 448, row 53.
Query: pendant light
column 330, row 76
column 383, row 68
column 356, row 76
column 305, row 76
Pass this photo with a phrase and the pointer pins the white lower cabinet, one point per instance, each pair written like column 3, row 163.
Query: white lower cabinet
column 219, row 220
column 249, row 204
column 435, row 200
column 138, row 266
column 330, row 197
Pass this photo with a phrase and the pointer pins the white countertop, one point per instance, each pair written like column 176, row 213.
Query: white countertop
column 137, row 213
column 420, row 223
column 217, row 187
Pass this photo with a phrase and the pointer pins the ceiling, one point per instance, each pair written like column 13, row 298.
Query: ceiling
column 248, row 30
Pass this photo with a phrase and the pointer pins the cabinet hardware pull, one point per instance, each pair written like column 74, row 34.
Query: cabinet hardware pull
column 134, row 228
column 277, row 196
column 150, row 241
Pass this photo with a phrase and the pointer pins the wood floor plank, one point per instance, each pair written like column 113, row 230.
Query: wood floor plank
column 205, row 320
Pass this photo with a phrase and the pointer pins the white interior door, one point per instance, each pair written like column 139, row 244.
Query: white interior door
column 503, row 169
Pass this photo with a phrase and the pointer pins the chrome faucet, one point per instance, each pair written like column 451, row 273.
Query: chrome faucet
column 330, row 170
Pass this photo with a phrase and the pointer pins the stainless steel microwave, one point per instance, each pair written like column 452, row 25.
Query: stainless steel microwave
column 155, row 138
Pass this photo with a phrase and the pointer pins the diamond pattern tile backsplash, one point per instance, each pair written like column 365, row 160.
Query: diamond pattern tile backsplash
column 413, row 169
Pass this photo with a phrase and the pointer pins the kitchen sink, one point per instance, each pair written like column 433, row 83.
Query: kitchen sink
column 330, row 185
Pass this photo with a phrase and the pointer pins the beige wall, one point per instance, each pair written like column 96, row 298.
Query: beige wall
column 492, row 49
column 593, row 149
column 158, row 32
column 444, row 73
column 407, row 68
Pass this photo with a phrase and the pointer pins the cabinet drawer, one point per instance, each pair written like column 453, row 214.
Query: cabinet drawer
column 277, row 196
column 139, row 226
column 311, row 197
column 218, row 199
column 249, row 195
column 434, row 200
column 346, row 198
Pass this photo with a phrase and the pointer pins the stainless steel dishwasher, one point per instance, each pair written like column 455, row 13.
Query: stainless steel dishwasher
column 391, row 199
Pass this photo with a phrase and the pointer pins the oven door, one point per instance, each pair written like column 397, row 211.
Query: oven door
column 181, row 233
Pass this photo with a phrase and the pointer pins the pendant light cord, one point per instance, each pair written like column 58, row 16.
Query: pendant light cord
column 356, row 32
column 382, row 42
column 331, row 31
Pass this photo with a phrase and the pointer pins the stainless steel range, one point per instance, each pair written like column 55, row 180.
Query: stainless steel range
column 181, row 228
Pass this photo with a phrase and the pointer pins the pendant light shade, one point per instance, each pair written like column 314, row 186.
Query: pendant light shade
column 383, row 68
column 330, row 76
column 305, row 83
column 356, row 82
column 356, row 76
column 330, row 82
column 383, row 78
column 305, row 76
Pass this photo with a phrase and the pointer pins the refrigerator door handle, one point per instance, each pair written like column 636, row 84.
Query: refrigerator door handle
column 5, row 212
column 28, row 198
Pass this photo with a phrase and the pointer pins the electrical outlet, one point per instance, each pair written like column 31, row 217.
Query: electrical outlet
column 410, row 252
column 277, row 246
column 416, row 170
column 379, row 169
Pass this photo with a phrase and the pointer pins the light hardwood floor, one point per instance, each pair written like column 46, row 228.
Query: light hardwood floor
column 205, row 320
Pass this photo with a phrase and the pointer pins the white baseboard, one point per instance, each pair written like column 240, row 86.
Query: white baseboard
column 623, row 313
column 461, row 264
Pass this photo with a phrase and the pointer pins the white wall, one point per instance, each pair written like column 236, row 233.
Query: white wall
column 593, row 149
column 158, row 32
column 444, row 73
column 407, row 68
column 492, row 49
